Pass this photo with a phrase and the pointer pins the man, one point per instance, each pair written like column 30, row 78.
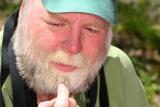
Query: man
column 60, row 56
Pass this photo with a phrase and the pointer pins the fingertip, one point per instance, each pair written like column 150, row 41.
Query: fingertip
column 62, row 96
column 62, row 88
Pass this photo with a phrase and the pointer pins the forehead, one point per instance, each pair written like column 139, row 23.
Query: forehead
column 77, row 16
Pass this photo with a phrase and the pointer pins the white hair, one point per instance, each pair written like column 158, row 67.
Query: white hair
column 109, row 38
column 33, row 71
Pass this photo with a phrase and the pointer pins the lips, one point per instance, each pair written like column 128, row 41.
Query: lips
column 64, row 67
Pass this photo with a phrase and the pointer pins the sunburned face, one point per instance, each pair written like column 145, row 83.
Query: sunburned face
column 66, row 48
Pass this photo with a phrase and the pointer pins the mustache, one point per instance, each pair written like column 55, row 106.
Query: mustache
column 77, row 60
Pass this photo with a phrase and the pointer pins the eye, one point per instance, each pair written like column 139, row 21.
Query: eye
column 92, row 29
column 57, row 24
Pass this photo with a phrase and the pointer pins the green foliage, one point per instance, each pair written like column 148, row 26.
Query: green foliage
column 134, row 21
column 148, row 79
column 149, row 84
column 7, row 9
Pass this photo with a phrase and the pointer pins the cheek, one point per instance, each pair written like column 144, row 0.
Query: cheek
column 95, row 47
column 41, row 34
column 44, row 37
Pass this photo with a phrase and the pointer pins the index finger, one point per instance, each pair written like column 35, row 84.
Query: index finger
column 62, row 96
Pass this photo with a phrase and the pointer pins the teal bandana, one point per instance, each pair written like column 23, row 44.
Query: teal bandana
column 106, row 9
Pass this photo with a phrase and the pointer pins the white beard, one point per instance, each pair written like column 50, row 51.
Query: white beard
column 45, row 80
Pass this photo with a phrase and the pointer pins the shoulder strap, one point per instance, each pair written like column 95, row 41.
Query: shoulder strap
column 1, row 100
column 103, row 95
column 91, row 94
column 8, row 32
column 22, row 95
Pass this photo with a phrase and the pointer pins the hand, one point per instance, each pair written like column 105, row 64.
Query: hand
column 62, row 99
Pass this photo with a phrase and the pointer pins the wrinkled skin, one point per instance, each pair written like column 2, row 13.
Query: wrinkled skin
column 51, row 49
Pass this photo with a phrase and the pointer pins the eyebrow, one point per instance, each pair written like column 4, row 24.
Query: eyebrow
column 97, row 24
column 54, row 17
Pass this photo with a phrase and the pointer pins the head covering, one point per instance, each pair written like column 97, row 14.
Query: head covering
column 106, row 9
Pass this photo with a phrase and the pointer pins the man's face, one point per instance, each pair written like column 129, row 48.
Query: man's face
column 66, row 48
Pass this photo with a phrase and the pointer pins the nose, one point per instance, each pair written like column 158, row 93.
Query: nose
column 72, row 43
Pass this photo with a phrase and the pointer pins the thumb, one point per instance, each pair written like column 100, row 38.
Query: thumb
column 62, row 96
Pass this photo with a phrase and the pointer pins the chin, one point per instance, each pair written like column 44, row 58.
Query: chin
column 45, row 80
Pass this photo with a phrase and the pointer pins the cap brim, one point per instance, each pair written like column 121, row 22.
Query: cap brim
column 102, row 8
